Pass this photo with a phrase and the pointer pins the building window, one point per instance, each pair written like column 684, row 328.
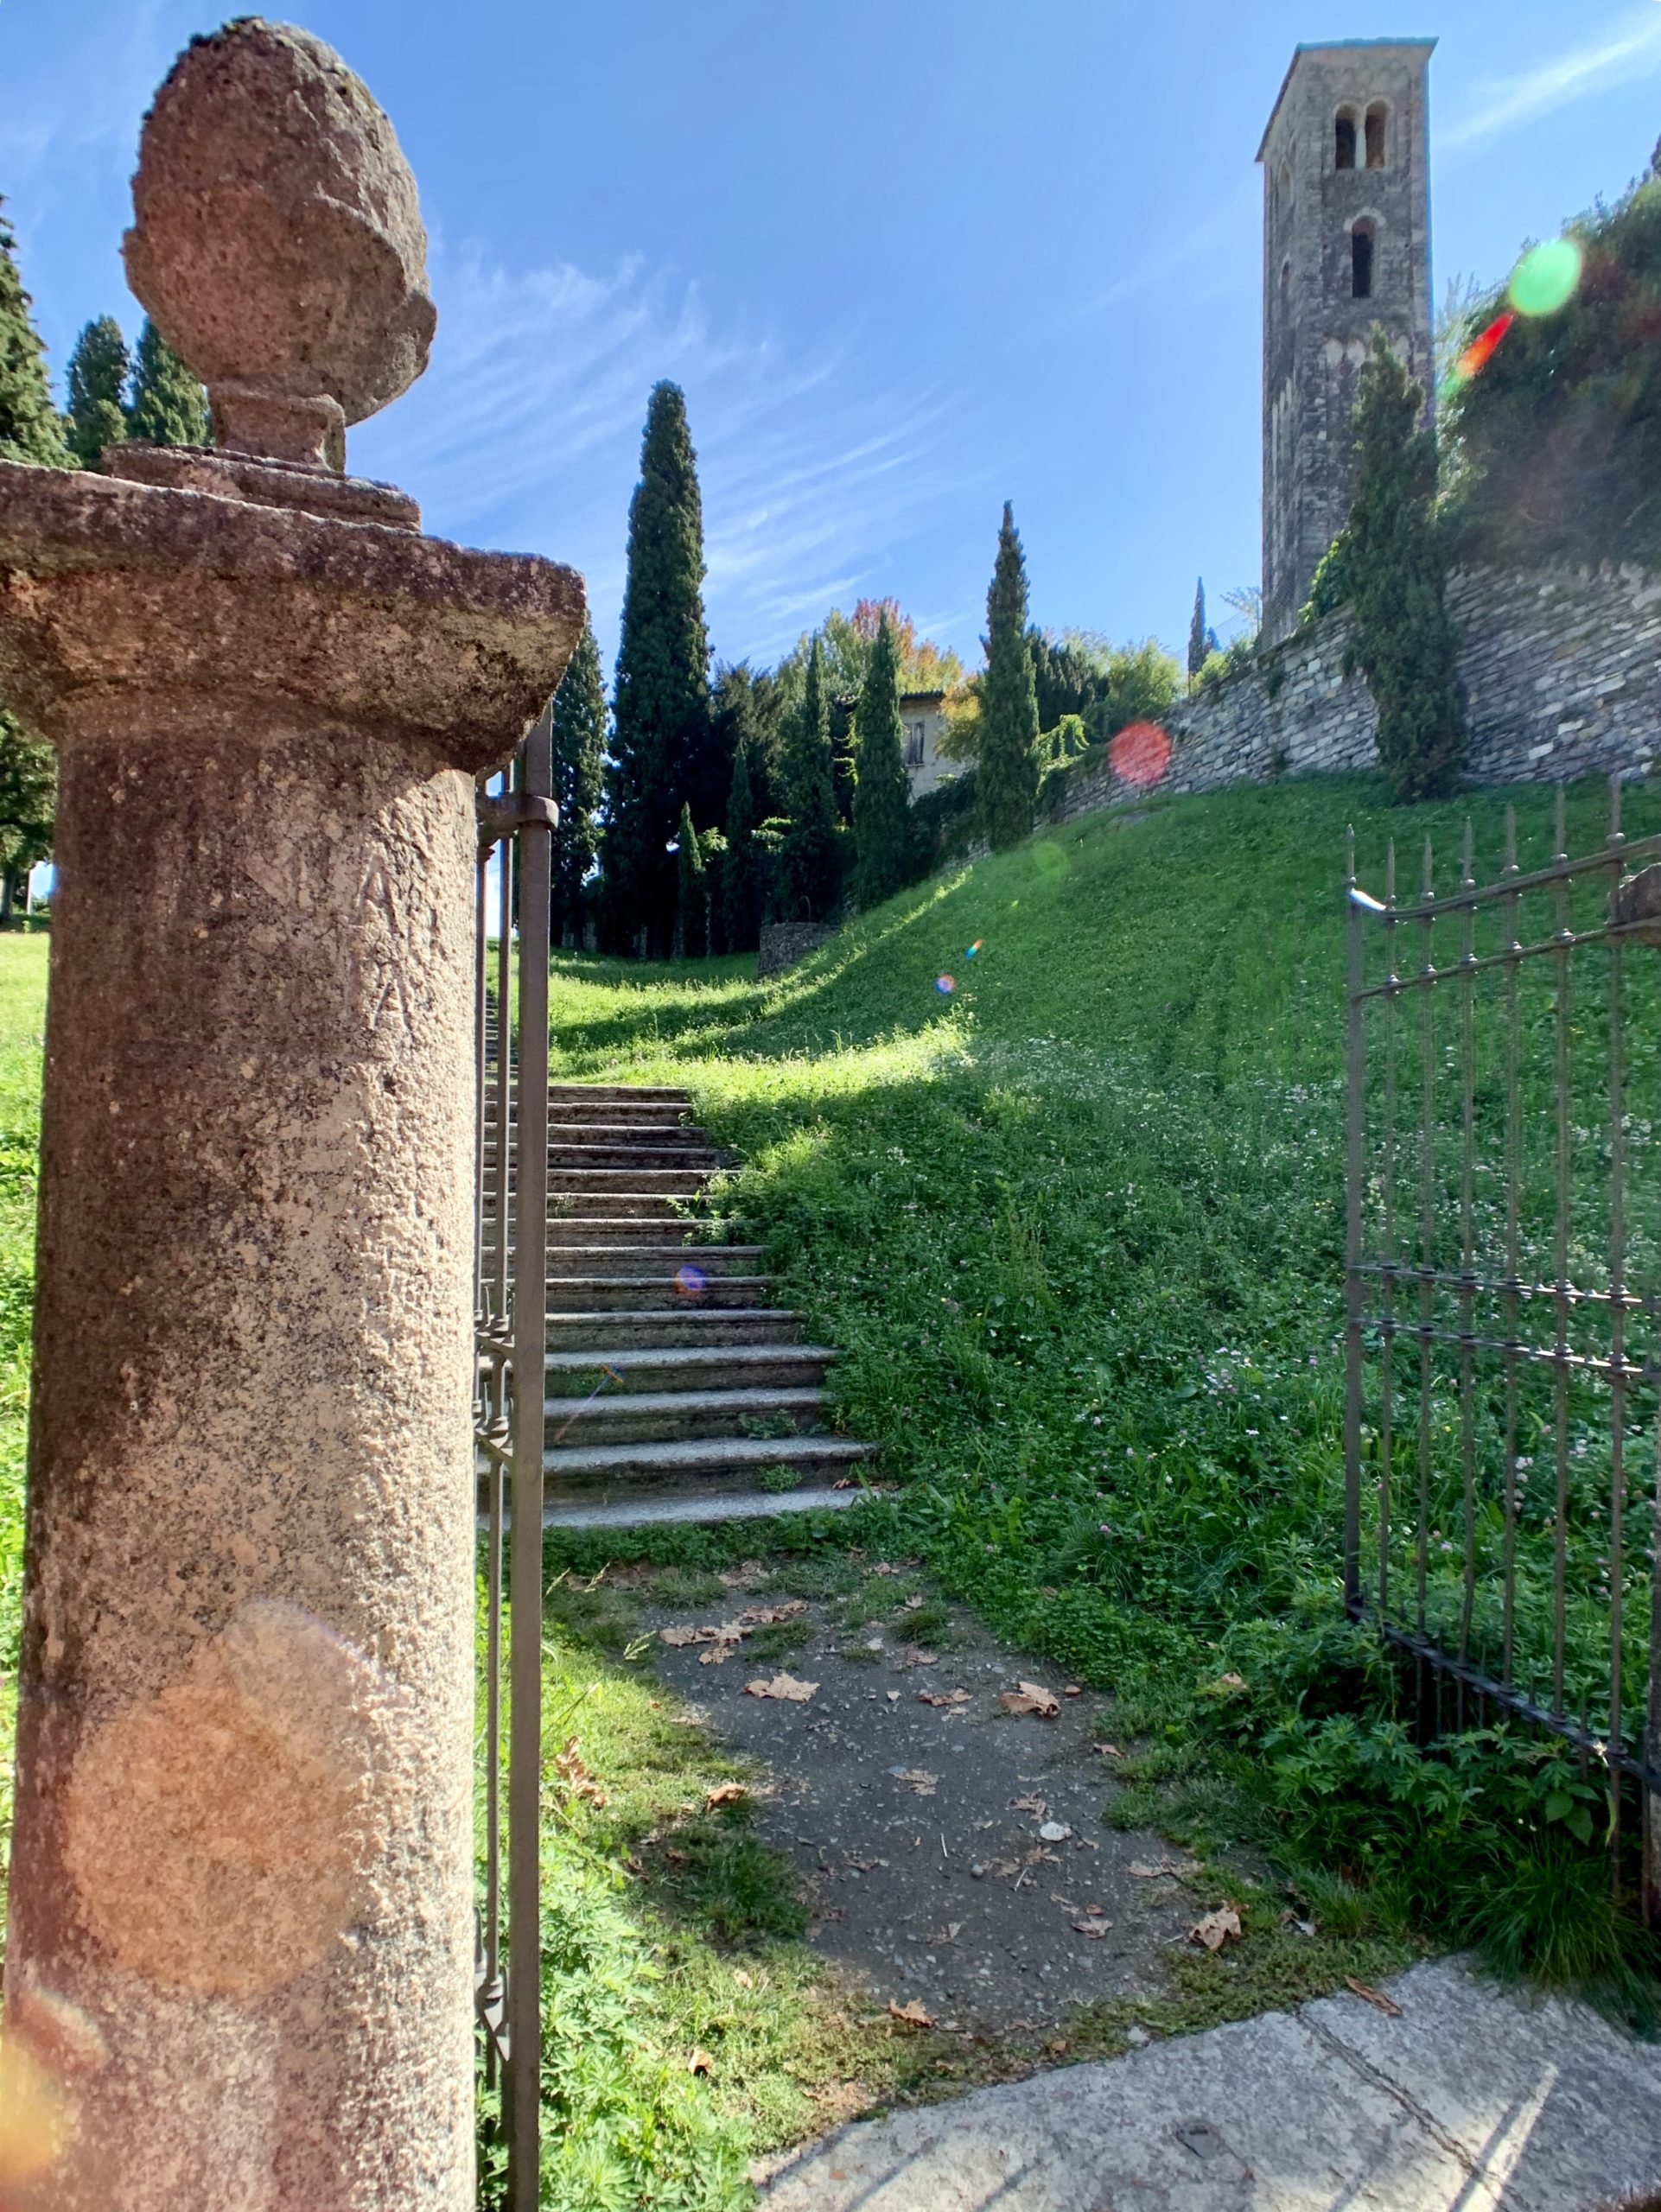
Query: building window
column 1286, row 286
column 913, row 745
column 1376, row 136
column 1361, row 244
column 1343, row 149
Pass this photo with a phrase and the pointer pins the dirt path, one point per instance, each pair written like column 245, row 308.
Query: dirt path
column 955, row 1850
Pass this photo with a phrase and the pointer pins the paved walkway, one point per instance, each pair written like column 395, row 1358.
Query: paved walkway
column 1472, row 2098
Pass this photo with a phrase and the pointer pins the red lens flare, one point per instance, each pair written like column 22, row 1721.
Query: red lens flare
column 1483, row 347
column 1141, row 754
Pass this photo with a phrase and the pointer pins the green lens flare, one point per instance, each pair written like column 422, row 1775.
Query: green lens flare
column 1544, row 279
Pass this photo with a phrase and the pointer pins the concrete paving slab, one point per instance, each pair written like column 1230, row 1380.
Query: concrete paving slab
column 1473, row 2100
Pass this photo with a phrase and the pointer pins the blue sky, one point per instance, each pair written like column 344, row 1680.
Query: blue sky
column 908, row 258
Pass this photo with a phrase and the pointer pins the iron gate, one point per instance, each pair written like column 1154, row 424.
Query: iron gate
column 1504, row 1297
column 517, row 817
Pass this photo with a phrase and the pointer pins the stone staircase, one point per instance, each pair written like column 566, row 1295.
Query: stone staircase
column 677, row 1388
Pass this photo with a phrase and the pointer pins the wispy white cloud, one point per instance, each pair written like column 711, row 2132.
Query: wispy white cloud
column 1631, row 48
column 525, row 432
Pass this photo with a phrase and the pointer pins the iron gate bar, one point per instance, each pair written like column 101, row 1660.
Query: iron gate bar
column 1454, row 1647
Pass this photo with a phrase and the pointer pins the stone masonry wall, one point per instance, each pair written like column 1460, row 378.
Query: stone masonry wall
column 1562, row 676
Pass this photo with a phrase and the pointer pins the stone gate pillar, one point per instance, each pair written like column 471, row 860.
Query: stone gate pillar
column 238, row 1971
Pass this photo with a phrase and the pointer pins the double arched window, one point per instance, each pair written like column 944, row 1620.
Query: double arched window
column 1354, row 134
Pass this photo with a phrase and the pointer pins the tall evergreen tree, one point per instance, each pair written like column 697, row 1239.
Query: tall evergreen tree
column 662, row 741
column 579, row 734
column 741, row 875
column 809, row 861
column 1395, row 560
column 30, row 426
column 169, row 406
column 98, row 369
column 693, row 885
column 1199, row 637
column 1006, row 777
column 881, row 787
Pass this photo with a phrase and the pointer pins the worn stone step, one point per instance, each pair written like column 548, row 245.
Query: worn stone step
column 630, row 1417
column 632, row 1510
column 681, row 1139
column 618, row 1332
column 592, row 1293
column 562, row 1158
column 668, row 1367
column 596, row 1205
column 679, row 1182
column 640, row 1258
column 729, row 1462
column 589, row 1228
column 645, row 1094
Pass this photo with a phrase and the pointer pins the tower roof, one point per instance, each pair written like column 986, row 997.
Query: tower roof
column 1425, row 45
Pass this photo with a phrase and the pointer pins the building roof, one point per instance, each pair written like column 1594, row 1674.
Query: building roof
column 921, row 694
column 1337, row 45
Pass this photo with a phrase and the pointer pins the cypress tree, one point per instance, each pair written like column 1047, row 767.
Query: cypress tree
column 98, row 369
column 881, row 787
column 1198, row 636
column 169, row 406
column 741, row 870
column 694, row 890
column 1395, row 560
column 579, row 734
column 1006, row 775
column 662, row 737
column 810, row 860
column 30, row 427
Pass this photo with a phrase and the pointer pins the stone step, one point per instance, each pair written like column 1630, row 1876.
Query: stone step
column 643, row 1260
column 633, row 1511
column 679, row 1182
column 562, row 1157
column 593, row 1293
column 717, row 1462
column 643, row 1094
column 589, row 1228
column 595, row 1206
column 677, row 1136
column 625, row 1330
column 633, row 1417
column 668, row 1121
column 672, row 1368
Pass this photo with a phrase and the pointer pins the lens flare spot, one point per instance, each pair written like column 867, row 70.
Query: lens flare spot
column 1545, row 278
column 690, row 1282
column 946, row 985
column 1482, row 348
column 34, row 2117
column 1141, row 754
column 973, row 949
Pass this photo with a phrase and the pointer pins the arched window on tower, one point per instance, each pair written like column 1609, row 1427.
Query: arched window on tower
column 1361, row 246
column 1286, row 286
column 1344, row 140
column 1376, row 117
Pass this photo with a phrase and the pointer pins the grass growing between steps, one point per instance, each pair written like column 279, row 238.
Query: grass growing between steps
column 1076, row 1225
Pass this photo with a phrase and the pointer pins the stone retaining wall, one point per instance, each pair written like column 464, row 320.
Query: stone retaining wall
column 1562, row 670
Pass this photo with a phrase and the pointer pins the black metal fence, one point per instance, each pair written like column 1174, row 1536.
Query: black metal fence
column 1504, row 1296
column 515, row 820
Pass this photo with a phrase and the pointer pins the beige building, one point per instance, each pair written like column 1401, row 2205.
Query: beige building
column 922, row 721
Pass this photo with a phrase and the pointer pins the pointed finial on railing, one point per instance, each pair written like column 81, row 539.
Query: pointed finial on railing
column 1390, row 873
column 1429, row 871
column 1510, row 867
column 1467, row 858
column 1560, row 828
column 1617, row 834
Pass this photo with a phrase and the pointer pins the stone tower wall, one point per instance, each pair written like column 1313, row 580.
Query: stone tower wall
column 1316, row 330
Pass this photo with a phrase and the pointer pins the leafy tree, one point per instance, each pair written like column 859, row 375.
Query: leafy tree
column 30, row 428
column 169, row 406
column 1007, row 773
column 1198, row 636
column 1069, row 675
column 693, row 900
column 98, row 369
column 28, row 790
column 1395, row 559
column 579, row 734
column 881, row 787
column 847, row 642
column 663, row 744
column 810, row 860
column 741, row 871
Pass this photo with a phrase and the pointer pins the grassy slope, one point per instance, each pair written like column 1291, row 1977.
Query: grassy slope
column 1077, row 1226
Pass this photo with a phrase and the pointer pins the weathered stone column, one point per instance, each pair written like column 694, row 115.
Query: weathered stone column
column 240, row 1948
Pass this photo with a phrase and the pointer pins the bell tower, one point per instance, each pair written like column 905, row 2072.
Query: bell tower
column 1347, row 244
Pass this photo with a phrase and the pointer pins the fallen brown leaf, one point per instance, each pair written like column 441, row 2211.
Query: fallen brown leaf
column 915, row 2014
column 782, row 1685
column 725, row 1793
column 764, row 1615
column 575, row 1775
column 1386, row 2004
column 744, row 1980
column 677, row 1636
column 700, row 2062
column 1094, row 1925
column 1108, row 1751
column 1031, row 1697
column 1217, row 1929
column 1035, row 1806
column 1072, row 1689
column 916, row 1778
column 943, row 1697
